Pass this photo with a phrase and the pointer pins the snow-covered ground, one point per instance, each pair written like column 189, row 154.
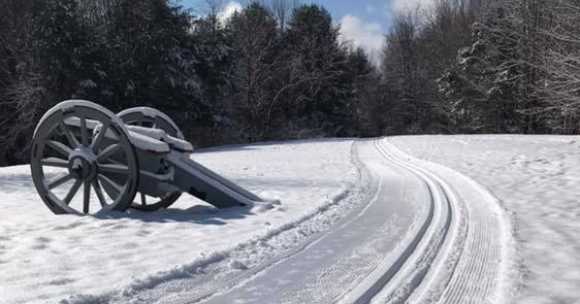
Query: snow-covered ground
column 537, row 179
column 422, row 234
column 46, row 258
column 356, row 221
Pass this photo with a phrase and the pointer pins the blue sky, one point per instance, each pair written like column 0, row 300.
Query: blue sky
column 372, row 11
column 363, row 22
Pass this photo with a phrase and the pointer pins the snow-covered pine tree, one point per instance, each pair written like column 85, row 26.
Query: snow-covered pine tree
column 484, row 84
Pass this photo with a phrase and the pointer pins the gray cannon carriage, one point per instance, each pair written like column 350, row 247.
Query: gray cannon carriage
column 135, row 159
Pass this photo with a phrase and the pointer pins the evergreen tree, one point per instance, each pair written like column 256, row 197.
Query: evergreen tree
column 402, row 76
column 151, row 62
column 59, row 43
column 365, row 81
column 21, row 88
column 255, row 40
column 211, row 44
column 484, row 84
column 322, row 95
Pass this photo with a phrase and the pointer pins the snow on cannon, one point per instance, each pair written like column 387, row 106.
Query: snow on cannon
column 135, row 159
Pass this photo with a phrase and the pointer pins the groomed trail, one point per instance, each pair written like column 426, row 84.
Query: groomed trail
column 475, row 262
column 424, row 234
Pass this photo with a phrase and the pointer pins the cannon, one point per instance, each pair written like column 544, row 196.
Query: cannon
column 137, row 159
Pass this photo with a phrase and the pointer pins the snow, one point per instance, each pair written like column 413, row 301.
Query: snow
column 463, row 254
column 162, row 136
column 537, row 179
column 147, row 143
column 336, row 261
column 152, row 114
column 422, row 234
column 68, row 104
column 322, row 206
column 47, row 258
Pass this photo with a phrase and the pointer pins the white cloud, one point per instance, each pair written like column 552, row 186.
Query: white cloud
column 229, row 10
column 368, row 36
column 402, row 6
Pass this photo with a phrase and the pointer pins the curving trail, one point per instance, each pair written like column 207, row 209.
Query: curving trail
column 426, row 235
column 474, row 262
column 345, row 255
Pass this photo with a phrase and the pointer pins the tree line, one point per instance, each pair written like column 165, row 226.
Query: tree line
column 279, row 70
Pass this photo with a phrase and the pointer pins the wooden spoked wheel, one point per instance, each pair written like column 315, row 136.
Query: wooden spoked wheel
column 152, row 118
column 79, row 144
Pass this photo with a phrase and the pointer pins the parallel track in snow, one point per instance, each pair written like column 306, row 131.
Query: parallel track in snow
column 427, row 235
column 396, row 282
column 390, row 226
column 471, row 264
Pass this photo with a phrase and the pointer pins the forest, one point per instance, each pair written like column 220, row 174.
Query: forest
column 278, row 69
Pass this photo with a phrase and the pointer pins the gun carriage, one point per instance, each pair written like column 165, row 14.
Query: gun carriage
column 136, row 159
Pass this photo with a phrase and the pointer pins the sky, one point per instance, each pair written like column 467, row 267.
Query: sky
column 363, row 22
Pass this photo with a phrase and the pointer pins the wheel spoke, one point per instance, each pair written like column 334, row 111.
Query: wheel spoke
column 114, row 168
column 84, row 132
column 99, row 193
column 73, row 190
column 59, row 181
column 59, row 147
column 143, row 199
column 54, row 162
column 99, row 138
column 159, row 123
column 107, row 182
column 86, row 197
column 108, row 152
column 72, row 140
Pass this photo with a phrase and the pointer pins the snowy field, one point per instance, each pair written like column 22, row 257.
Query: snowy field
column 46, row 258
column 537, row 179
column 323, row 190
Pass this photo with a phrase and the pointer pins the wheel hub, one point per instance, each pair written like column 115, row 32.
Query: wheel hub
column 82, row 164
